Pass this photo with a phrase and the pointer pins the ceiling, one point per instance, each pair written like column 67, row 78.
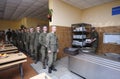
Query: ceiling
column 83, row 4
column 17, row 9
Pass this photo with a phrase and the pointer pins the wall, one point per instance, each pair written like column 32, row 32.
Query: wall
column 101, row 18
column 64, row 38
column 15, row 24
column 33, row 22
column 5, row 24
column 107, row 48
column 64, row 14
column 101, row 15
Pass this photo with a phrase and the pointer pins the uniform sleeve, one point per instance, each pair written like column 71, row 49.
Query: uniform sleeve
column 34, row 39
column 48, row 41
column 25, row 37
column 57, row 43
column 96, row 35
column 28, row 39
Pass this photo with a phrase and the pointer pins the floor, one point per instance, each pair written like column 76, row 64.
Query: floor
column 13, row 73
column 62, row 70
column 62, row 73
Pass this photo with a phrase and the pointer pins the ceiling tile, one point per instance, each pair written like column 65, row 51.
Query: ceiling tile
column 17, row 9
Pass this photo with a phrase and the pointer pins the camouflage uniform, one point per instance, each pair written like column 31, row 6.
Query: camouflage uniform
column 27, row 42
column 32, row 38
column 95, row 43
column 42, row 41
column 20, row 40
column 52, row 45
column 23, row 41
column 37, row 46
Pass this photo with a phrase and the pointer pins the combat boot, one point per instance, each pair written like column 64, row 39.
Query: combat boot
column 49, row 70
column 53, row 68
column 44, row 67
column 35, row 61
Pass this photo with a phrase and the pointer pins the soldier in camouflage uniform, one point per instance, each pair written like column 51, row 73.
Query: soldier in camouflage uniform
column 37, row 44
column 19, row 39
column 94, row 38
column 14, row 38
column 23, row 39
column 42, row 41
column 52, row 47
column 32, row 38
column 27, row 35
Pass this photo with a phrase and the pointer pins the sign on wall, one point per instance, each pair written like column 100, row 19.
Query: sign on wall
column 116, row 10
column 113, row 38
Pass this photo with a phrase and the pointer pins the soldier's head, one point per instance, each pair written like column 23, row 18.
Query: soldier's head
column 9, row 30
column 44, row 28
column 53, row 28
column 31, row 30
column 22, row 30
column 38, row 28
column 93, row 29
column 25, row 29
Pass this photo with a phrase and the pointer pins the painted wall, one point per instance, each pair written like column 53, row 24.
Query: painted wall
column 5, row 24
column 101, row 15
column 33, row 22
column 15, row 24
column 63, row 13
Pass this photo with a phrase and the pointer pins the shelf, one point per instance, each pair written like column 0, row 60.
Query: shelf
column 79, row 39
column 76, row 46
column 80, row 30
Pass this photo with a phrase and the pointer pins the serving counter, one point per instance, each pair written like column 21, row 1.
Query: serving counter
column 94, row 67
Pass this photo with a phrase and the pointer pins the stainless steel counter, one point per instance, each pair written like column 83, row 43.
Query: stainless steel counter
column 94, row 67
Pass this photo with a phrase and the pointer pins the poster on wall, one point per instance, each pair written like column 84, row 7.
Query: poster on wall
column 111, row 38
column 116, row 10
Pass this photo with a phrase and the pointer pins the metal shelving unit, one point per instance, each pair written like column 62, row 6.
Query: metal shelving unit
column 80, row 32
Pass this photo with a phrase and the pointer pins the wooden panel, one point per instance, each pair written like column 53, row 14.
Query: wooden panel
column 64, row 37
column 107, row 48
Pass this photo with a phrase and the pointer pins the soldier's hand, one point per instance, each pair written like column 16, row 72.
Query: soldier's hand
column 45, row 45
column 49, row 51
column 57, row 50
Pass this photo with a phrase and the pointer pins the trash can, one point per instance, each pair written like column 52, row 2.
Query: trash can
column 71, row 51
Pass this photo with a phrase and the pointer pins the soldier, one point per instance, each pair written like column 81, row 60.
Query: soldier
column 36, row 44
column 14, row 38
column 32, row 38
column 9, row 34
column 25, row 39
column 52, row 47
column 22, row 40
column 94, row 39
column 42, row 40
column 19, row 38
column 27, row 35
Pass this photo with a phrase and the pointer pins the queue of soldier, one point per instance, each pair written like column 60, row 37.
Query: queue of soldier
column 37, row 43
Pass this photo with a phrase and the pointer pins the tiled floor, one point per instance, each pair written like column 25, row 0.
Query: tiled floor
column 62, row 70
